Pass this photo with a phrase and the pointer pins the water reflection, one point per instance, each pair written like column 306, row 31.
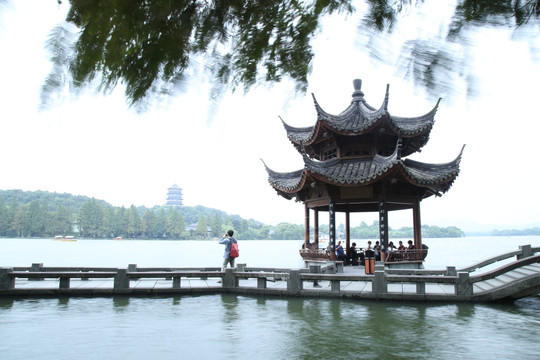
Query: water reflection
column 6, row 303
column 366, row 330
column 229, row 305
column 276, row 328
column 120, row 303
column 63, row 302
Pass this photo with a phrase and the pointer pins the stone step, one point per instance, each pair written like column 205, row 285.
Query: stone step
column 482, row 286
column 508, row 278
column 495, row 282
column 525, row 272
column 531, row 267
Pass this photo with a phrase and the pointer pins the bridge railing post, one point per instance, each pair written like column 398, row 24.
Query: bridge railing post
column 463, row 284
column 379, row 284
column 177, row 281
column 294, row 283
column 241, row 268
column 121, row 280
column 335, row 286
column 6, row 281
column 64, row 282
column 132, row 268
column 36, row 267
column 261, row 283
column 451, row 271
column 315, row 269
column 229, row 279
column 526, row 251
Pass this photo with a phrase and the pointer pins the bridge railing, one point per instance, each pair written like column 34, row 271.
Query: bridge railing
column 295, row 279
column 522, row 252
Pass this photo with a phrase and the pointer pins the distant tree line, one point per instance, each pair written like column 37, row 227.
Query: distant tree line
column 45, row 214
column 516, row 232
column 365, row 231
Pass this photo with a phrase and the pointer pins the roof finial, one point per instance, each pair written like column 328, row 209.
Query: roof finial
column 357, row 95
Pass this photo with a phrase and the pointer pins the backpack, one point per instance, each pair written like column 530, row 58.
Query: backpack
column 234, row 249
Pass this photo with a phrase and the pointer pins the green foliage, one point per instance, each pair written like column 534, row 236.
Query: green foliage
column 286, row 231
column 150, row 45
column 34, row 219
column 90, row 219
column 202, row 228
column 437, row 232
column 364, row 231
column 62, row 222
column 175, row 224
column 5, row 218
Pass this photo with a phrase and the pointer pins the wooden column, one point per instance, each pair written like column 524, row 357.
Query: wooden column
column 306, row 226
column 316, row 228
column 332, row 229
column 383, row 223
column 417, row 225
column 347, row 232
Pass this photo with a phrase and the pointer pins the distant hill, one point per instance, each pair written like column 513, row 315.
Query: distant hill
column 120, row 221
column 53, row 199
column 73, row 203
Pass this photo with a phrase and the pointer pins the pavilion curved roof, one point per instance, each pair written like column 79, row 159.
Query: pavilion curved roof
column 359, row 118
column 438, row 178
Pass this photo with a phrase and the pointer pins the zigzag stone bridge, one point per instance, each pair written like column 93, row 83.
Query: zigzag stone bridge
column 515, row 279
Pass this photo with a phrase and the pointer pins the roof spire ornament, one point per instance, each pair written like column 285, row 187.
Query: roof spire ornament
column 357, row 95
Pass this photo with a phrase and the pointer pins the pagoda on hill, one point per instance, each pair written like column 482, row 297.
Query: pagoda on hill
column 355, row 162
column 174, row 196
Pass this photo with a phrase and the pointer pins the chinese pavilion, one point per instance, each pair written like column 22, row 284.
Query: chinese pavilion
column 356, row 162
column 174, row 196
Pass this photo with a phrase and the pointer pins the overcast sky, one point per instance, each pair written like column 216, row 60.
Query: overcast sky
column 94, row 145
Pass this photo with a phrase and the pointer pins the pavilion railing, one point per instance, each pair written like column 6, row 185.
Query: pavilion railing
column 406, row 255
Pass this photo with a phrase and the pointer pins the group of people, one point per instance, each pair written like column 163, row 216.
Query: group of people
column 355, row 257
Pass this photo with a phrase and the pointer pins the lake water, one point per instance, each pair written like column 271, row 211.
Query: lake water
column 240, row 327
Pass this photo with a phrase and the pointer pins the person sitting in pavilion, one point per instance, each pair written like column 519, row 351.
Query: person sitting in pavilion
column 353, row 253
column 390, row 249
column 409, row 250
column 340, row 254
column 368, row 251
column 377, row 251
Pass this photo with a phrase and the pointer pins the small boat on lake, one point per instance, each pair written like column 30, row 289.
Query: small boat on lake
column 119, row 238
column 65, row 238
